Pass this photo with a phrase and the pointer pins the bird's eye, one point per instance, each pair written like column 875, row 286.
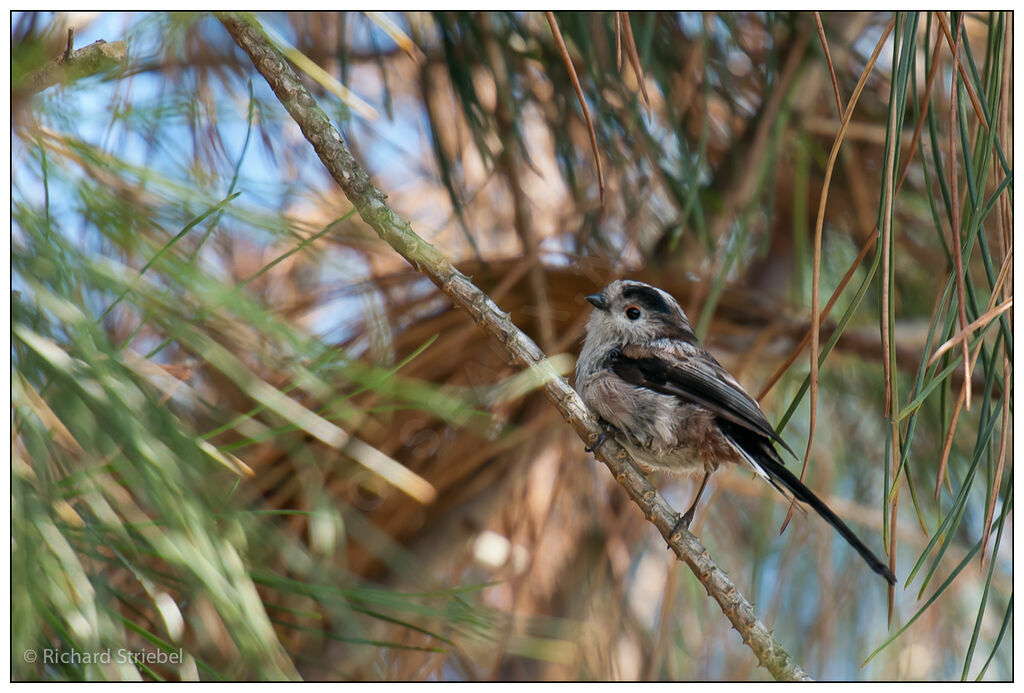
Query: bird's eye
column 632, row 312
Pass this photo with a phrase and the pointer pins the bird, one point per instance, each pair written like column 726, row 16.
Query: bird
column 673, row 406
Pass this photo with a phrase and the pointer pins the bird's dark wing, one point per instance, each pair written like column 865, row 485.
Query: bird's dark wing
column 696, row 379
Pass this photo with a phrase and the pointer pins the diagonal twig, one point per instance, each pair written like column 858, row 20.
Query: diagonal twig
column 369, row 202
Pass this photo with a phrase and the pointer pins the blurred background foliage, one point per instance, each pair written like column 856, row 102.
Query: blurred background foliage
column 244, row 430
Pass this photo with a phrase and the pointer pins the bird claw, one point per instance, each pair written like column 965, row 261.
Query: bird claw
column 600, row 441
column 683, row 523
column 606, row 428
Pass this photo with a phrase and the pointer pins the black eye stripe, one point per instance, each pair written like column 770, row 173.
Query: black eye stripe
column 646, row 296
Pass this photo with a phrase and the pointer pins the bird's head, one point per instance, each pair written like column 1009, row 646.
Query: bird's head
column 632, row 312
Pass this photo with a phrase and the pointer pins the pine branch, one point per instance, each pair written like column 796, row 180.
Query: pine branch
column 72, row 65
column 369, row 202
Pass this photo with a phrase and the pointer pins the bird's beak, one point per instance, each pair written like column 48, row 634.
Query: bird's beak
column 598, row 301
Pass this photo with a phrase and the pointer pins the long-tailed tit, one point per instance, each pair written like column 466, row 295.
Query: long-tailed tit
column 673, row 406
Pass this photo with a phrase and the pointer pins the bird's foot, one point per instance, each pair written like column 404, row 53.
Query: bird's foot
column 683, row 523
column 606, row 429
column 686, row 518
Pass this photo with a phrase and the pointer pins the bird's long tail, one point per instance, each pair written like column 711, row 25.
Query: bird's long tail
column 784, row 480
